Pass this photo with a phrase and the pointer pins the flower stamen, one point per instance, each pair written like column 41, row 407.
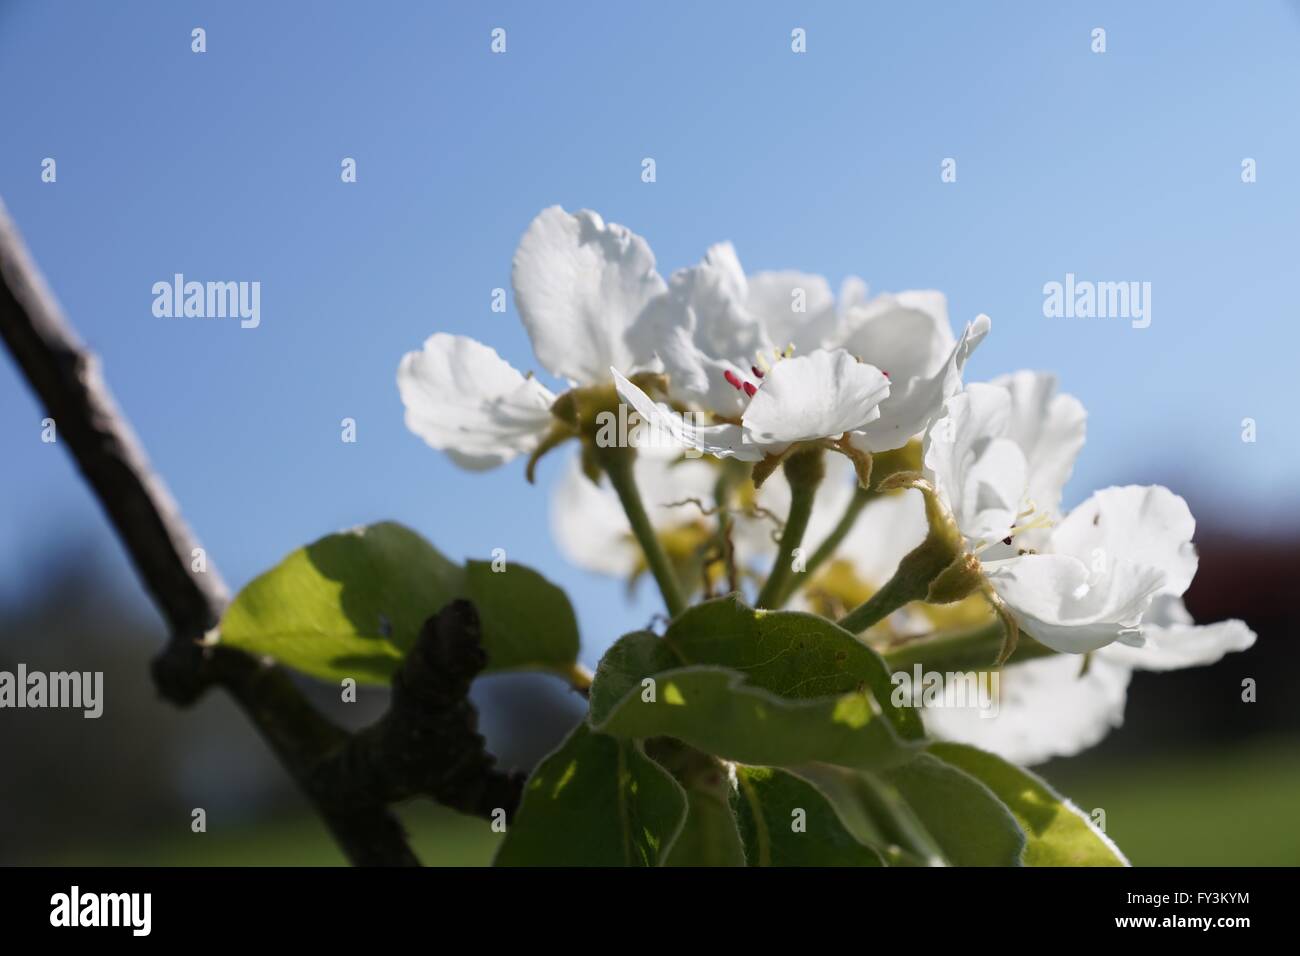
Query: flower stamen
column 739, row 384
column 1039, row 520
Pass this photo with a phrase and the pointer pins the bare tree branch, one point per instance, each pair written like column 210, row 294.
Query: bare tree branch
column 428, row 742
column 320, row 756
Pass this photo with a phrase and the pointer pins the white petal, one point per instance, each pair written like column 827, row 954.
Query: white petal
column 695, row 378
column 970, row 429
column 853, row 293
column 991, row 495
column 1147, row 525
column 915, row 402
column 1056, row 599
column 905, row 334
column 1049, row 428
column 1173, row 641
column 819, row 395
column 796, row 308
column 721, row 441
column 463, row 398
column 701, row 329
column 715, row 292
column 1047, row 709
column 579, row 285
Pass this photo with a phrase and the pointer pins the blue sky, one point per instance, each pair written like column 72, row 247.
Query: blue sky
column 225, row 165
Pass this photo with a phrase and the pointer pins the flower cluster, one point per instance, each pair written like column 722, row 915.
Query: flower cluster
column 824, row 453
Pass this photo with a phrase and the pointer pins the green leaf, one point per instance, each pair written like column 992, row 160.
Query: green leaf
column 969, row 823
column 348, row 605
column 528, row 622
column 352, row 604
column 714, row 710
column 876, row 814
column 633, row 658
column 785, row 821
column 709, row 836
column 1058, row 832
column 595, row 801
column 793, row 655
column 924, row 812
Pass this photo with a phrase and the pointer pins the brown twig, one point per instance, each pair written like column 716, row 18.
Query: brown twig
column 428, row 742
column 66, row 378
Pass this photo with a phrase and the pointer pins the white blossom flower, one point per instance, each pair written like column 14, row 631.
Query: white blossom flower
column 823, row 395
column 1100, row 569
column 579, row 284
column 998, row 460
column 725, row 339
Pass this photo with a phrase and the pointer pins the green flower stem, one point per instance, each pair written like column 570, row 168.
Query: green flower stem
column 804, row 471
column 899, row 590
column 921, row 568
column 621, row 476
column 727, row 479
column 965, row 651
column 833, row 540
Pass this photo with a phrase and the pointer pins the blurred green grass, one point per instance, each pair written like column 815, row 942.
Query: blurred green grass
column 440, row 837
column 1228, row 808
column 1234, row 808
